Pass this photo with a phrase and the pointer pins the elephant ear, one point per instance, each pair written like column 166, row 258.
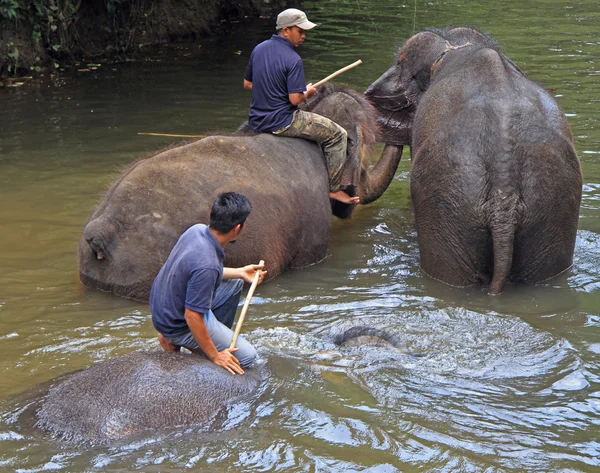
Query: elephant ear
column 416, row 58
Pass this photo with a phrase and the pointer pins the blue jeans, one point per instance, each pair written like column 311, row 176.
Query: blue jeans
column 219, row 321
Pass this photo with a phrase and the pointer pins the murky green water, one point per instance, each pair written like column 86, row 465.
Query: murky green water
column 504, row 384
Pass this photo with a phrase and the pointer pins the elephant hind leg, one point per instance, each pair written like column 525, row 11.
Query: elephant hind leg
column 544, row 252
column 454, row 250
column 167, row 345
column 545, row 240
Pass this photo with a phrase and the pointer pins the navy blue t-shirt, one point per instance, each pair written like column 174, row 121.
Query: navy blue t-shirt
column 275, row 71
column 189, row 278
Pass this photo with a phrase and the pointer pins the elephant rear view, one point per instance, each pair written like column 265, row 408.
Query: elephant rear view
column 495, row 180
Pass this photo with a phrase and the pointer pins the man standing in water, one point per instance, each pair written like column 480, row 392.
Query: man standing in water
column 194, row 298
column 275, row 75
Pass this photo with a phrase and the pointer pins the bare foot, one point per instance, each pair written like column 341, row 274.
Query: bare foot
column 167, row 345
column 196, row 351
column 341, row 196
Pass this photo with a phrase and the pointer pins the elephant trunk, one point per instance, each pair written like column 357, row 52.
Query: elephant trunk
column 374, row 183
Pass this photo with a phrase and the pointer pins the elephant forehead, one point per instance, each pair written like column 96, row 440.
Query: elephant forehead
column 418, row 45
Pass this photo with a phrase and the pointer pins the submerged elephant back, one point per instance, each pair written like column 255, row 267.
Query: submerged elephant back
column 143, row 390
column 134, row 228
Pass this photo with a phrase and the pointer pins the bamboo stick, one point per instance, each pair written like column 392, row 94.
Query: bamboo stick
column 337, row 73
column 238, row 327
column 174, row 136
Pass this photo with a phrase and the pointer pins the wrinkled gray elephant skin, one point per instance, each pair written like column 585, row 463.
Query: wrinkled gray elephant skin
column 142, row 390
column 495, row 181
column 133, row 229
column 360, row 336
column 147, row 391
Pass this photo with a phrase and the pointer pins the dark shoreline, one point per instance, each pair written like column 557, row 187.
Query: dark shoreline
column 36, row 38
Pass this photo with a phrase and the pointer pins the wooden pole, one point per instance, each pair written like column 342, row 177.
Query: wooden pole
column 238, row 327
column 337, row 73
column 174, row 136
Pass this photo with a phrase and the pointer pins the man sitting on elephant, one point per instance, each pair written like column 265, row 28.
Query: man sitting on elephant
column 275, row 74
column 191, row 306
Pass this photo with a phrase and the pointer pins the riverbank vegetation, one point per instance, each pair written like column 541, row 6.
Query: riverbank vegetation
column 39, row 35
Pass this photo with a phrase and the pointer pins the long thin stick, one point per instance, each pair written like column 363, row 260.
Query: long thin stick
column 174, row 136
column 337, row 73
column 238, row 327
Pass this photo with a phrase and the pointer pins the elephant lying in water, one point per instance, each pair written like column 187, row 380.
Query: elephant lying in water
column 154, row 390
column 495, row 181
column 133, row 229
column 142, row 390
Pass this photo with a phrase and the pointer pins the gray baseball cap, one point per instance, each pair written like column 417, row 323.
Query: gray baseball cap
column 293, row 17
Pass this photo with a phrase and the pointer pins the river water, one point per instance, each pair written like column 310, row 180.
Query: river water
column 509, row 383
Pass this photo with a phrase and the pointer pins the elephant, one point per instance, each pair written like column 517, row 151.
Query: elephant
column 134, row 227
column 495, row 181
column 153, row 390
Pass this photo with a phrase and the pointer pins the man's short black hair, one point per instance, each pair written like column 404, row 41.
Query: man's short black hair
column 229, row 210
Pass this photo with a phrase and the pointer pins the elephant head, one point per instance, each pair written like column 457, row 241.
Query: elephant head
column 358, row 117
column 396, row 94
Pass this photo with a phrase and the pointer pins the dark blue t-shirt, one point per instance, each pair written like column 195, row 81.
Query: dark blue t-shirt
column 189, row 278
column 275, row 71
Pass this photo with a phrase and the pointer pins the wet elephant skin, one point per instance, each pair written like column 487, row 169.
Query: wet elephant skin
column 139, row 391
column 132, row 230
column 149, row 391
column 495, row 181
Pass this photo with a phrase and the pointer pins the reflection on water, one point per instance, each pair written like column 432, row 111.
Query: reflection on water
column 479, row 383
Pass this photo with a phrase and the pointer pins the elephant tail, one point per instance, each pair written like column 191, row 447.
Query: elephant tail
column 503, row 226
